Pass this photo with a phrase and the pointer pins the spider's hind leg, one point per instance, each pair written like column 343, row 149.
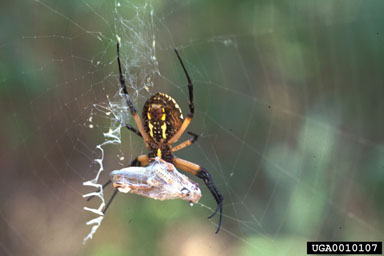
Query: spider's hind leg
column 129, row 102
column 189, row 117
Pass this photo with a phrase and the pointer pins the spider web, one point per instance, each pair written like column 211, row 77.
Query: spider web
column 288, row 110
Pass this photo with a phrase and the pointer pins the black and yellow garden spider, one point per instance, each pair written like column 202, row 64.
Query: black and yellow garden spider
column 162, row 126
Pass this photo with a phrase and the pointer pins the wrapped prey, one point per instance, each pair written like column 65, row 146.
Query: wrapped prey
column 159, row 180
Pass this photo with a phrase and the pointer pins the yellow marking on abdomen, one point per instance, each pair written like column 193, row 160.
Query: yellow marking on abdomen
column 163, row 129
column 163, row 115
column 148, row 114
column 159, row 152
column 150, row 129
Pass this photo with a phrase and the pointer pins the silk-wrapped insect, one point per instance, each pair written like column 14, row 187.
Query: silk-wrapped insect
column 159, row 180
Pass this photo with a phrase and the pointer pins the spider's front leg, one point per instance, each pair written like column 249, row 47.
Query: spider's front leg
column 142, row 160
column 200, row 172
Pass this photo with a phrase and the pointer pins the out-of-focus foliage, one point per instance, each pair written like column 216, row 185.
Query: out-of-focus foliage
column 288, row 106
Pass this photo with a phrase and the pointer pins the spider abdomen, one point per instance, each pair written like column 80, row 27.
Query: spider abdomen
column 162, row 117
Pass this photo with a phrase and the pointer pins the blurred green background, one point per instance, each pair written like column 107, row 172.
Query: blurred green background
column 288, row 108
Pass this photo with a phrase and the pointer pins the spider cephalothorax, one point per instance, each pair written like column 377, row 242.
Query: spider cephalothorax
column 163, row 126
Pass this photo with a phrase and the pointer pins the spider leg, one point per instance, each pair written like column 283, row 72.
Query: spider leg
column 110, row 200
column 190, row 86
column 186, row 143
column 105, row 184
column 200, row 172
column 188, row 119
column 129, row 102
column 133, row 129
column 141, row 160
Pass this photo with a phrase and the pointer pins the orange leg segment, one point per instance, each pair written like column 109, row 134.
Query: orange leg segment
column 182, row 129
column 186, row 143
column 200, row 172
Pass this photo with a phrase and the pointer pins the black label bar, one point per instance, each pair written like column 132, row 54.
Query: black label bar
column 344, row 247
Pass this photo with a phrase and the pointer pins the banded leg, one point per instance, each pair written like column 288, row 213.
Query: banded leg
column 200, row 172
column 133, row 129
column 186, row 143
column 129, row 102
column 188, row 119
